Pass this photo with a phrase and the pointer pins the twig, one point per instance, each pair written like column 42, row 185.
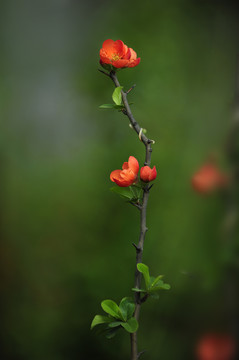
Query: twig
column 135, row 204
column 103, row 72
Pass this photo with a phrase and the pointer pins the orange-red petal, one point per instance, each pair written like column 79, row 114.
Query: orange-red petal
column 127, row 175
column 133, row 164
column 123, row 183
column 134, row 62
column 108, row 47
column 121, row 63
column 115, row 175
column 104, row 59
column 119, row 48
column 133, row 55
column 125, row 165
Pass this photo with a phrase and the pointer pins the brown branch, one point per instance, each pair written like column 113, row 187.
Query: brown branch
column 143, row 210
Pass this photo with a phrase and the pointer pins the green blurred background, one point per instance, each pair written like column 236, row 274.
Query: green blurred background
column 65, row 238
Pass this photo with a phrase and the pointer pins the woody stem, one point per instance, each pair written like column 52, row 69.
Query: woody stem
column 143, row 211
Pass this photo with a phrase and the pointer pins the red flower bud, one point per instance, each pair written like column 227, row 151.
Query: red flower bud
column 216, row 347
column 128, row 175
column 117, row 54
column 208, row 178
column 147, row 174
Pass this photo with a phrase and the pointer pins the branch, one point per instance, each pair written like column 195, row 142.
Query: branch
column 143, row 210
column 147, row 142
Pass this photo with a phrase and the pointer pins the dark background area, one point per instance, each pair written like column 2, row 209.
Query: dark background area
column 65, row 238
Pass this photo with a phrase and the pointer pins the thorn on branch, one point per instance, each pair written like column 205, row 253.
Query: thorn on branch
column 150, row 187
column 103, row 72
column 132, row 87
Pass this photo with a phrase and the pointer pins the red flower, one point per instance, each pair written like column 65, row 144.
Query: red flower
column 147, row 174
column 216, row 347
column 117, row 54
column 128, row 175
column 208, row 178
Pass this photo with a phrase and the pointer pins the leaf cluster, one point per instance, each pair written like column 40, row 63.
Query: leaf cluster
column 133, row 193
column 118, row 317
column 152, row 284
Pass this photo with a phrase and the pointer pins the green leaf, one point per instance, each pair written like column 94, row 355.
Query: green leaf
column 163, row 286
column 139, row 290
column 126, row 307
column 137, row 191
column 111, row 308
column 123, row 191
column 154, row 281
column 114, row 324
column 145, row 271
column 131, row 325
column 107, row 106
column 117, row 96
column 99, row 319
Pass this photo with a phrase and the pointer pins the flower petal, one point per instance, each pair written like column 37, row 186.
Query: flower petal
column 133, row 55
column 121, row 63
column 104, row 58
column 125, row 165
column 123, row 183
column 133, row 164
column 119, row 48
column 108, row 47
column 127, row 175
column 134, row 62
column 127, row 54
column 115, row 175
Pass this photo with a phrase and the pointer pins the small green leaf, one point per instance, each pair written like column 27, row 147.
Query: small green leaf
column 145, row 271
column 111, row 308
column 137, row 191
column 155, row 280
column 127, row 307
column 131, row 325
column 107, row 106
column 139, row 290
column 116, row 96
column 163, row 286
column 99, row 319
column 123, row 191
column 119, row 107
column 114, row 324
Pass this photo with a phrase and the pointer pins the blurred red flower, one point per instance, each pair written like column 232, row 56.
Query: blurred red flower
column 147, row 174
column 208, row 178
column 128, row 175
column 117, row 54
column 216, row 347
